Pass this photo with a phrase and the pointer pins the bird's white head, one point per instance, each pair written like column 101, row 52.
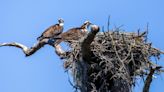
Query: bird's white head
column 61, row 21
column 87, row 23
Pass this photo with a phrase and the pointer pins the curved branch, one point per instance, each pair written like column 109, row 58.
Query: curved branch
column 15, row 44
column 27, row 51
column 59, row 51
column 86, row 52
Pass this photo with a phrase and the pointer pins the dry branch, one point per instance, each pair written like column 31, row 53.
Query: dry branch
column 150, row 78
column 29, row 51
column 85, row 47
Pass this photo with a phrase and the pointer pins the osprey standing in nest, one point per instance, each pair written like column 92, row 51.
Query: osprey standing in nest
column 53, row 30
column 74, row 33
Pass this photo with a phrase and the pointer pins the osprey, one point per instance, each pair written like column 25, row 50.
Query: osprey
column 74, row 33
column 53, row 30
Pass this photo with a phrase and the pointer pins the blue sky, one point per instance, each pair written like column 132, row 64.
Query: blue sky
column 24, row 20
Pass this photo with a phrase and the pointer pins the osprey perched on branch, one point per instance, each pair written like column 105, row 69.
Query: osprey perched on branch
column 74, row 33
column 53, row 30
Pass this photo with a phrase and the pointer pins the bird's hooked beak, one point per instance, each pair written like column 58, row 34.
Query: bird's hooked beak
column 88, row 23
column 60, row 20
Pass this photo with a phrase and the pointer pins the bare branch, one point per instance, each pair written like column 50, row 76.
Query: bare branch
column 27, row 51
column 59, row 51
column 15, row 44
column 86, row 52
column 108, row 24
column 149, row 78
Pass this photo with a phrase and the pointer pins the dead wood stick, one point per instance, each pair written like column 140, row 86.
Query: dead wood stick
column 86, row 52
column 29, row 51
column 149, row 78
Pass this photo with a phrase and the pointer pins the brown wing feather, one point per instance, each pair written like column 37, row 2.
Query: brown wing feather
column 52, row 31
column 72, row 34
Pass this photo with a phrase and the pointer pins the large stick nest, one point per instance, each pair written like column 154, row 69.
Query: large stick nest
column 117, row 58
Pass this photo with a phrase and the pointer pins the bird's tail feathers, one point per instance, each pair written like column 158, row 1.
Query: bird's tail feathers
column 39, row 38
